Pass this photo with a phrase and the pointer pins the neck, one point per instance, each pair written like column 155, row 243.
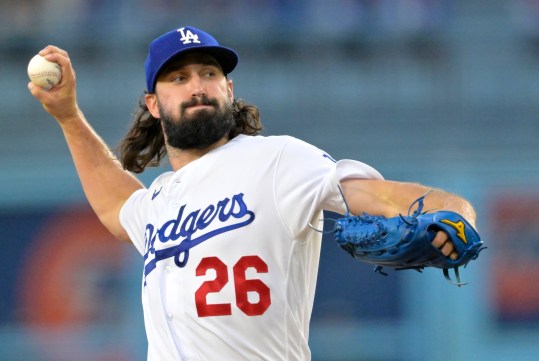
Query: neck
column 179, row 158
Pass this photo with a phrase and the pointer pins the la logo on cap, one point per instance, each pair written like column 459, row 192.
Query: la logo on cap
column 188, row 37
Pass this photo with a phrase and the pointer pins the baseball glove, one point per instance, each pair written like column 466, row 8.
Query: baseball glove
column 404, row 242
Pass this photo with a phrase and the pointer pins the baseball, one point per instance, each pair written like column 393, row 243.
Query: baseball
column 44, row 73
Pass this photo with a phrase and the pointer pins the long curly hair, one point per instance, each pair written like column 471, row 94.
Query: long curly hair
column 144, row 144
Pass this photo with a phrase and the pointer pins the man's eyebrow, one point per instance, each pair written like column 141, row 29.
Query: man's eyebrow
column 177, row 65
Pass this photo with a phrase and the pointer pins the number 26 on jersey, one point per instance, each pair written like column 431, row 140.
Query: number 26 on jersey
column 242, row 287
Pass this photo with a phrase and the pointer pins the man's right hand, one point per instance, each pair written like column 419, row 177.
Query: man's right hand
column 61, row 100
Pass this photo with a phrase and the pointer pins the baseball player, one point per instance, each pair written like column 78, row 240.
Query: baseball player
column 230, row 258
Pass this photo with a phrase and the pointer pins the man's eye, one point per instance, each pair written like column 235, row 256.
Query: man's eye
column 178, row 78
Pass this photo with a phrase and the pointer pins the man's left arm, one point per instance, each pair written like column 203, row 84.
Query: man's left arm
column 391, row 198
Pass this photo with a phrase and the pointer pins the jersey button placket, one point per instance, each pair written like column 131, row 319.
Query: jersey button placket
column 168, row 270
column 169, row 315
column 176, row 181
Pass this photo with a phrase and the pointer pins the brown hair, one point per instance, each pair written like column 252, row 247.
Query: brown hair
column 144, row 144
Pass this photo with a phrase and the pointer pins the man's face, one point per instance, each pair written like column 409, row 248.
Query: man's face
column 193, row 99
column 197, row 129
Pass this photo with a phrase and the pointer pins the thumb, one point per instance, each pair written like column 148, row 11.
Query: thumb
column 36, row 90
column 44, row 96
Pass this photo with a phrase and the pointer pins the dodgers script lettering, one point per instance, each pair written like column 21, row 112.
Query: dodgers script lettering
column 188, row 230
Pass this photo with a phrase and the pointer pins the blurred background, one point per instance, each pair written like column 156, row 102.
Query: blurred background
column 441, row 92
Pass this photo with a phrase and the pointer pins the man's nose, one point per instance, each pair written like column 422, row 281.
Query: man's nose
column 197, row 87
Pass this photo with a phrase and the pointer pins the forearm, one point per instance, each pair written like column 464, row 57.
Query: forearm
column 105, row 183
column 391, row 198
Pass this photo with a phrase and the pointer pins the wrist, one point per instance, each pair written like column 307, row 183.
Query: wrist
column 462, row 207
column 67, row 119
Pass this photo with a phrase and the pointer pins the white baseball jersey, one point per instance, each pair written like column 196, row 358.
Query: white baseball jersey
column 230, row 262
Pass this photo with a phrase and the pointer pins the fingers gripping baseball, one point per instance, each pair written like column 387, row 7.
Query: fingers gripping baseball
column 60, row 101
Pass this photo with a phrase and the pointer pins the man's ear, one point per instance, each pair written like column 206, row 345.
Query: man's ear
column 230, row 89
column 151, row 103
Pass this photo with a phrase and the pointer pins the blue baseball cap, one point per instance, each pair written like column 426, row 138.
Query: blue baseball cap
column 180, row 41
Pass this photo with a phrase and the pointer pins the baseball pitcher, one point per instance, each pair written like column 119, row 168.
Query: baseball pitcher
column 229, row 237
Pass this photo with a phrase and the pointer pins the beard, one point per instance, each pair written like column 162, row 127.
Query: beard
column 200, row 130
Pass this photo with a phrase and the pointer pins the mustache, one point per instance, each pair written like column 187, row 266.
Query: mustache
column 204, row 100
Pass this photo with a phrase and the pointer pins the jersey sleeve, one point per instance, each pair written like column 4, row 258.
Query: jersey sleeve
column 307, row 181
column 132, row 216
column 136, row 211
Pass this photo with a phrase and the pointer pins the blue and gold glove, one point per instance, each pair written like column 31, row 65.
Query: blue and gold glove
column 404, row 242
